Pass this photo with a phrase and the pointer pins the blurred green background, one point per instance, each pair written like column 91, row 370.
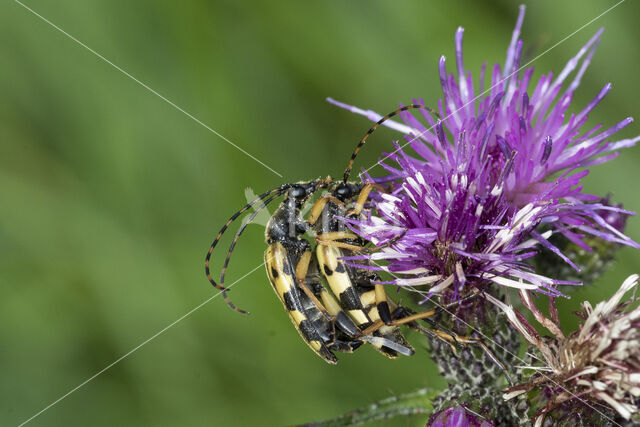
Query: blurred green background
column 110, row 196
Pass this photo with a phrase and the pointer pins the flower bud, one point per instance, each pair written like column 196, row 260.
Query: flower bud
column 593, row 263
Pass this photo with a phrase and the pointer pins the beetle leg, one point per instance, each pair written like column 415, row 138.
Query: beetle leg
column 318, row 207
column 331, row 239
column 382, row 304
column 446, row 336
column 362, row 198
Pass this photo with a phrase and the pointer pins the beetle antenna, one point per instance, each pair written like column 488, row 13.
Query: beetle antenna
column 232, row 246
column 347, row 172
column 265, row 198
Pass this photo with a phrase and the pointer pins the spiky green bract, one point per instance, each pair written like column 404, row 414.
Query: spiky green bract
column 592, row 264
column 475, row 380
column 479, row 320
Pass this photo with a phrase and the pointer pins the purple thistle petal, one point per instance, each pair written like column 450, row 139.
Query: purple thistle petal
column 544, row 242
column 511, row 51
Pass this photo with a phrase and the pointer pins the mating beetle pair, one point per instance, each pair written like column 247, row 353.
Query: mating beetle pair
column 354, row 308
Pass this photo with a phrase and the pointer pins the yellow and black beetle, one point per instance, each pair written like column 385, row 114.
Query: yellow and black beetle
column 357, row 309
column 289, row 260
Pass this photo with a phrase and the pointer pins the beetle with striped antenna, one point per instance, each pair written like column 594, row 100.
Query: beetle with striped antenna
column 295, row 277
column 288, row 253
column 300, row 190
column 357, row 309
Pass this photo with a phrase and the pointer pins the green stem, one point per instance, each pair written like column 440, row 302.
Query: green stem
column 417, row 402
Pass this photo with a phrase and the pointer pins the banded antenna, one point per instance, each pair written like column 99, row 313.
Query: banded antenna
column 265, row 198
column 347, row 172
column 235, row 240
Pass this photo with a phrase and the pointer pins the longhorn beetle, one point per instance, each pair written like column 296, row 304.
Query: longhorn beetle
column 357, row 310
column 287, row 249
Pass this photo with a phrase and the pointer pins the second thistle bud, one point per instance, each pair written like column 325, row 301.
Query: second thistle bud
column 593, row 263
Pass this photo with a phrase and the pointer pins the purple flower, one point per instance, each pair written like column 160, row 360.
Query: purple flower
column 498, row 164
column 457, row 416
column 447, row 228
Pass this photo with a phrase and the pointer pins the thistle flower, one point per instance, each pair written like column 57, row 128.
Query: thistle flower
column 598, row 363
column 495, row 167
column 448, row 229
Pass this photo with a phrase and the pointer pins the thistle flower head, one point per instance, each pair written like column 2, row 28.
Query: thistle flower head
column 499, row 163
column 453, row 227
column 598, row 363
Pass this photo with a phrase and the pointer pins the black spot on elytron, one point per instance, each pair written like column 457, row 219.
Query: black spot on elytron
column 364, row 285
column 286, row 268
column 341, row 268
column 364, row 326
column 274, row 273
column 290, row 301
column 349, row 300
column 327, row 270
